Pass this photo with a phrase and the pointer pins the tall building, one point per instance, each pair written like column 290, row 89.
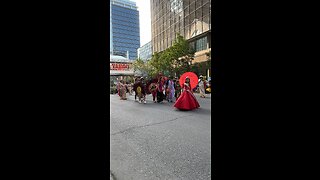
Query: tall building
column 189, row 18
column 145, row 51
column 124, row 28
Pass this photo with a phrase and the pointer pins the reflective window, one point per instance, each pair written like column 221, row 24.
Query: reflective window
column 186, row 20
column 206, row 23
column 199, row 13
column 199, row 27
column 182, row 32
column 198, row 4
column 187, row 17
column 186, row 11
column 200, row 44
column 192, row 7
column 125, row 31
column 206, row 9
column 192, row 45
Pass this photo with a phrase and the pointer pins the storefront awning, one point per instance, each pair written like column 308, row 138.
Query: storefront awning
column 121, row 73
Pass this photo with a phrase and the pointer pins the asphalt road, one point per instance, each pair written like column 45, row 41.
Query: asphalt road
column 156, row 141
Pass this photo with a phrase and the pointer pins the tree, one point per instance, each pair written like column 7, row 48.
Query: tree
column 183, row 55
column 175, row 60
column 155, row 64
column 140, row 65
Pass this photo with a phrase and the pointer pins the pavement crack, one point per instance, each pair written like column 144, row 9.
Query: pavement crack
column 152, row 124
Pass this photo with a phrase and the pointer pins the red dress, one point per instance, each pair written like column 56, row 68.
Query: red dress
column 186, row 101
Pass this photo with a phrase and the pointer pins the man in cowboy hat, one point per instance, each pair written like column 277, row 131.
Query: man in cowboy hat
column 201, row 87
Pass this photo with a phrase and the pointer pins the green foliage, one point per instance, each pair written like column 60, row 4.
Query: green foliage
column 140, row 65
column 174, row 60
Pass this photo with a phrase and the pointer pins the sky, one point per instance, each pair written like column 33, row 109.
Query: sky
column 145, row 20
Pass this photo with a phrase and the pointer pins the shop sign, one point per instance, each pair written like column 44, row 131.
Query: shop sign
column 119, row 66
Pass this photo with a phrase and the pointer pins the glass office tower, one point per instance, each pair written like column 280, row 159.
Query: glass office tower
column 124, row 28
column 145, row 51
column 190, row 18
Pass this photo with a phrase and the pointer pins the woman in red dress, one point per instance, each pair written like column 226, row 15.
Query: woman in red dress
column 186, row 101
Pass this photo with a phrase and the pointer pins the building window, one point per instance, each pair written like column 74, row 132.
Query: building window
column 206, row 22
column 199, row 45
column 192, row 45
column 198, row 4
column 192, row 7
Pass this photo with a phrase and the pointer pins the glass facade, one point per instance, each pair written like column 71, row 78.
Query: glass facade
column 200, row 44
column 145, row 52
column 189, row 18
column 124, row 28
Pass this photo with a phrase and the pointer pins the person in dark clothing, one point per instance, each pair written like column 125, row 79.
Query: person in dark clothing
column 160, row 85
column 143, row 90
column 153, row 91
column 140, row 90
column 135, row 85
column 177, row 89
column 166, row 90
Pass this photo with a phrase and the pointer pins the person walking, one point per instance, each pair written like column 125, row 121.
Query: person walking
column 135, row 85
column 143, row 90
column 118, row 88
column 171, row 90
column 177, row 89
column 153, row 90
column 123, row 90
column 166, row 89
column 201, row 87
column 160, row 90
column 129, row 85
column 140, row 91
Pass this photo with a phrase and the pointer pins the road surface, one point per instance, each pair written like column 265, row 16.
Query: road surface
column 156, row 141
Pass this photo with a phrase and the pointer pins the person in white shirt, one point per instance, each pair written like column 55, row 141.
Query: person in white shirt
column 201, row 87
